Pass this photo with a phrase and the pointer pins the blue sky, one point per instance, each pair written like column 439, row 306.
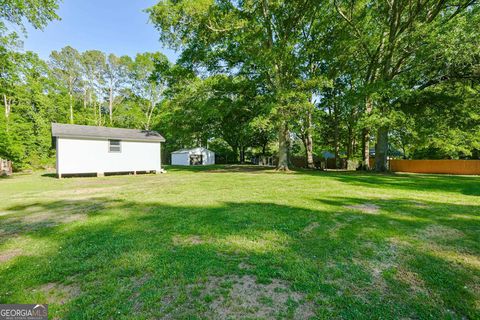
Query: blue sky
column 112, row 26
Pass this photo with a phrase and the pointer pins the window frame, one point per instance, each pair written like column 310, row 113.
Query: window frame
column 110, row 146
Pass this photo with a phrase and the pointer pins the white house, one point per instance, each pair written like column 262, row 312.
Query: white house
column 100, row 150
column 191, row 157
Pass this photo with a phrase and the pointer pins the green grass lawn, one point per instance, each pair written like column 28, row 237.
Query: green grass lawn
column 236, row 242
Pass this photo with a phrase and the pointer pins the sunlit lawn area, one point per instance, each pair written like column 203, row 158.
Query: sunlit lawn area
column 238, row 242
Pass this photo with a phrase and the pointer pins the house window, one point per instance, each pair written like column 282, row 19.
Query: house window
column 114, row 146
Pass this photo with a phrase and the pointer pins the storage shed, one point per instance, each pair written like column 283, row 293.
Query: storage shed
column 192, row 157
column 99, row 150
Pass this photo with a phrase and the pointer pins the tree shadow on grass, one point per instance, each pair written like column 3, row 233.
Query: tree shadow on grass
column 49, row 175
column 229, row 168
column 135, row 260
column 468, row 185
column 36, row 216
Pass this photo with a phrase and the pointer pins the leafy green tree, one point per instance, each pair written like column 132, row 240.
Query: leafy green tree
column 9, row 72
column 37, row 103
column 263, row 132
column 93, row 63
column 388, row 37
column 37, row 12
column 115, row 76
column 440, row 122
column 255, row 38
column 66, row 67
column 186, row 119
column 148, row 83
column 219, row 107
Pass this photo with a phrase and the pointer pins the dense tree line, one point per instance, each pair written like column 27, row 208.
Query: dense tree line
column 352, row 72
column 282, row 78
column 79, row 88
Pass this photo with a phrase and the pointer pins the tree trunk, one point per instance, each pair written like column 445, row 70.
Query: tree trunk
column 308, row 142
column 150, row 114
column 236, row 153
column 336, row 145
column 94, row 112
column 8, row 105
column 381, row 150
column 71, row 108
column 242, row 154
column 110, row 105
column 366, row 149
column 352, row 120
column 349, row 144
column 354, row 145
column 366, row 138
column 283, row 145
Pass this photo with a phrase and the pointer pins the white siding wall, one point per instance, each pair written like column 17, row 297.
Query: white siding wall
column 208, row 157
column 180, row 159
column 91, row 156
column 183, row 159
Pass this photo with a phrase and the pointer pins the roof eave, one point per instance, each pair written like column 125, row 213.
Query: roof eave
column 107, row 138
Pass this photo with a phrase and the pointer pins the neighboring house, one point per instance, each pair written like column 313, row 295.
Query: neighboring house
column 327, row 155
column 100, row 150
column 192, row 157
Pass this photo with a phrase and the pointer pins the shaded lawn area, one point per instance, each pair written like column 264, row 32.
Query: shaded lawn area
column 243, row 242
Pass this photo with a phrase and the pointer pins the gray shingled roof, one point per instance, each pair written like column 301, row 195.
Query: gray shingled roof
column 80, row 131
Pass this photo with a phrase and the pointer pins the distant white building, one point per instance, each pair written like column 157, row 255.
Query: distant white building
column 99, row 150
column 192, row 157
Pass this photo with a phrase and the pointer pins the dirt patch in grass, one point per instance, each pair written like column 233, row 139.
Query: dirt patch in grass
column 399, row 243
column 475, row 290
column 384, row 261
column 37, row 221
column 234, row 297
column 245, row 266
column 37, row 216
column 335, row 229
column 368, row 208
column 57, row 293
column 411, row 279
column 261, row 242
column 54, row 219
column 419, row 204
column 85, row 191
column 9, row 254
column 312, row 226
column 434, row 232
column 187, row 240
column 137, row 284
